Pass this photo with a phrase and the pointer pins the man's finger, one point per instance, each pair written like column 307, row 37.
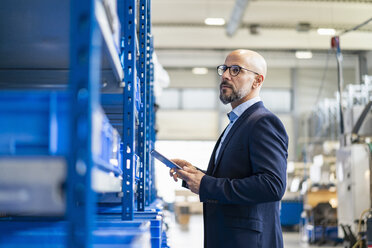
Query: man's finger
column 175, row 160
column 183, row 175
column 175, row 176
column 180, row 162
column 171, row 172
column 189, row 169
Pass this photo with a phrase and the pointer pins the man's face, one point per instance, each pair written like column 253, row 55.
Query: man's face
column 235, row 88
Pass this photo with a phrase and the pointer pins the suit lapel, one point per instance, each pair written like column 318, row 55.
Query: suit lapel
column 238, row 122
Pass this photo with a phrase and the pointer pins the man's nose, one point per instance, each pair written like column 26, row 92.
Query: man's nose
column 226, row 75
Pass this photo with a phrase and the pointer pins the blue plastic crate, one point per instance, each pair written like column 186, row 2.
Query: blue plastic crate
column 156, row 233
column 33, row 123
column 113, row 214
column 328, row 233
column 113, row 106
column 290, row 213
column 107, row 151
column 155, row 242
column 54, row 233
column 37, row 123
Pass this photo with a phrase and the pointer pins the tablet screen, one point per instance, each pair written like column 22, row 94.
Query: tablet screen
column 164, row 160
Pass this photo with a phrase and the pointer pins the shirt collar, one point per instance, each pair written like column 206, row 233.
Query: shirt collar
column 239, row 110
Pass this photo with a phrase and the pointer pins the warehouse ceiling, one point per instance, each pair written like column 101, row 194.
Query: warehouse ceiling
column 266, row 25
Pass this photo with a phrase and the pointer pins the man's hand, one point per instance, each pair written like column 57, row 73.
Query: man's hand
column 182, row 164
column 193, row 178
column 189, row 173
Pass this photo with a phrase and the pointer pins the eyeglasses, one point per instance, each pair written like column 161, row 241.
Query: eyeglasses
column 233, row 70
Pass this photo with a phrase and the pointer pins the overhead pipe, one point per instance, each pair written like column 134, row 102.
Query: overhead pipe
column 236, row 16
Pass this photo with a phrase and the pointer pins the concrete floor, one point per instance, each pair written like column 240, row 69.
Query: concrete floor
column 192, row 236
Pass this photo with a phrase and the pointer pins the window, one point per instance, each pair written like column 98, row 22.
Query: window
column 277, row 100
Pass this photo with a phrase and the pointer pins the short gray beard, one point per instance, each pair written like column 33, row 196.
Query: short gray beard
column 234, row 96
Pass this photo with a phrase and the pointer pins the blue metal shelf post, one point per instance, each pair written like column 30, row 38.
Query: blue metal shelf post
column 129, row 60
column 150, row 110
column 152, row 120
column 85, row 58
column 142, row 113
column 148, row 107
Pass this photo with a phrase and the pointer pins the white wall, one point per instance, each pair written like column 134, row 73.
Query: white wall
column 187, row 125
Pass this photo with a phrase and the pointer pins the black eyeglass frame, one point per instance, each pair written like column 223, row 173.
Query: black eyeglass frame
column 225, row 67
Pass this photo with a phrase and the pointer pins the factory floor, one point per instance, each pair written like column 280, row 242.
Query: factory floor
column 191, row 236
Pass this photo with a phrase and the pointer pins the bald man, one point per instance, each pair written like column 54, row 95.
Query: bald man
column 246, row 175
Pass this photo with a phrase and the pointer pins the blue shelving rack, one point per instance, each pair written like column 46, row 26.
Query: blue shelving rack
column 82, row 111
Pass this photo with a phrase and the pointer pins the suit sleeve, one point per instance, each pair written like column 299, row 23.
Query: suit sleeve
column 268, row 146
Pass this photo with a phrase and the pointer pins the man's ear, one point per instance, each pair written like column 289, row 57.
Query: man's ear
column 258, row 81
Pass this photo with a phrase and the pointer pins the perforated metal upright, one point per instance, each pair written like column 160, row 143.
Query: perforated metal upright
column 148, row 106
column 85, row 58
column 143, row 153
column 152, row 121
column 129, row 49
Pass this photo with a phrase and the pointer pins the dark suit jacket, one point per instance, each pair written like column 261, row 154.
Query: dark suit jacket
column 242, row 189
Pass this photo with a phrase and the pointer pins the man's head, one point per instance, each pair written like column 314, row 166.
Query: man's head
column 236, row 89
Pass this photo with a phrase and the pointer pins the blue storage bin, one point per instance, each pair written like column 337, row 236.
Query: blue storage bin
column 318, row 232
column 155, row 218
column 290, row 212
column 156, row 228
column 156, row 242
column 34, row 123
column 38, row 123
column 156, row 233
column 54, row 233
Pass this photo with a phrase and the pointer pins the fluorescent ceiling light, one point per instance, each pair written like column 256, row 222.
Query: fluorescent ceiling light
column 215, row 21
column 200, row 70
column 326, row 31
column 304, row 54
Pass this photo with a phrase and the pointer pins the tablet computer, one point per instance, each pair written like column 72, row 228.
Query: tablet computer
column 164, row 160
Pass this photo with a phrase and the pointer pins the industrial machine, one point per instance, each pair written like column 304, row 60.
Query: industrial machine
column 354, row 163
column 353, row 173
column 348, row 120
